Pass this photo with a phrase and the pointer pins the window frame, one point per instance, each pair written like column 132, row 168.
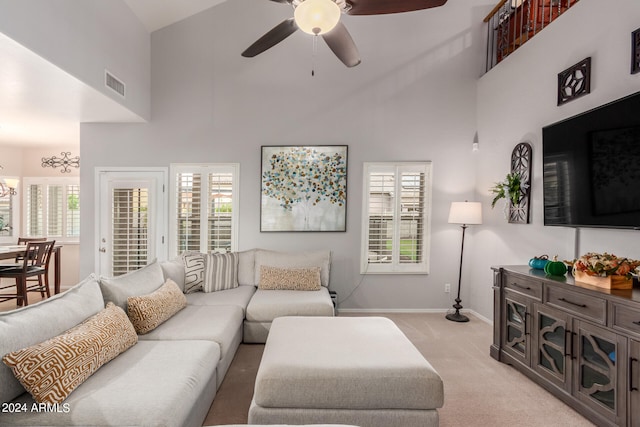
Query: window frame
column 14, row 212
column 47, row 182
column 395, row 266
column 204, row 169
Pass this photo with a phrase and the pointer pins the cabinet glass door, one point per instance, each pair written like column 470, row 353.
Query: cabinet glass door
column 551, row 358
column 597, row 368
column 516, row 332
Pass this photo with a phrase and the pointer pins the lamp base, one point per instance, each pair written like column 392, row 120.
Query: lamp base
column 457, row 317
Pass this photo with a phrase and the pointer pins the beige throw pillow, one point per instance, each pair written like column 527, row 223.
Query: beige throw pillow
column 295, row 279
column 147, row 312
column 51, row 370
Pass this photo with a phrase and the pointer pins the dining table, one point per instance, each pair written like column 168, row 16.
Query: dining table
column 11, row 251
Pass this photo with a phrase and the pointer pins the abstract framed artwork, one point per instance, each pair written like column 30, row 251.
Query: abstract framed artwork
column 303, row 188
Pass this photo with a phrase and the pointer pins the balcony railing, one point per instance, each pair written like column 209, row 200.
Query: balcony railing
column 512, row 23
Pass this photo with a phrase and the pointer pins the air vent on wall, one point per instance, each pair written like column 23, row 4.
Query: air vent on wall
column 113, row 83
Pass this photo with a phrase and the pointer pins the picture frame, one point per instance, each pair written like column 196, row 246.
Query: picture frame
column 303, row 188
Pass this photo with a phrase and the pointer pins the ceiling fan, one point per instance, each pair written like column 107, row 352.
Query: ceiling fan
column 322, row 18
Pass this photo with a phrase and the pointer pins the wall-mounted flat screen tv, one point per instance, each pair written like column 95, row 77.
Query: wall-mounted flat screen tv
column 592, row 167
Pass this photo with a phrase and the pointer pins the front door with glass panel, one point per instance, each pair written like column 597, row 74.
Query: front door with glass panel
column 132, row 224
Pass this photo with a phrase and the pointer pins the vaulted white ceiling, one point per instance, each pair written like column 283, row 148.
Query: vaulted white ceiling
column 42, row 105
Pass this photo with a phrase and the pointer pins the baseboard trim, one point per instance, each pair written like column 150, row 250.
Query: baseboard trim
column 409, row 310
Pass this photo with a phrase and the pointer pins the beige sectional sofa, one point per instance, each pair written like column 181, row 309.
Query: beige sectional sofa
column 170, row 376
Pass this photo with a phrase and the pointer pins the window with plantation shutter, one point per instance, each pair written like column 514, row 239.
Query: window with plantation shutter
column 396, row 218
column 204, row 214
column 130, row 229
column 52, row 208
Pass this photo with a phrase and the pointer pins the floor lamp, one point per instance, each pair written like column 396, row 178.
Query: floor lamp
column 463, row 213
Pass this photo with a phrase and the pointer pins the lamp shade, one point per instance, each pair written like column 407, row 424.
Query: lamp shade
column 11, row 182
column 465, row 213
column 317, row 16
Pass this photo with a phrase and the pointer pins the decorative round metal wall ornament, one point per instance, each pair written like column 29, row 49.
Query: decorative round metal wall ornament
column 521, row 165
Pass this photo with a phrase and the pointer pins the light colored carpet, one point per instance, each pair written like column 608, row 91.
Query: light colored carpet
column 479, row 391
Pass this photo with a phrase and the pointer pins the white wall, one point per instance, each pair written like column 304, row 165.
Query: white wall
column 515, row 100
column 84, row 38
column 412, row 98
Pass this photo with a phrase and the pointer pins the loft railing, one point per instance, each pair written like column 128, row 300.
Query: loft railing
column 512, row 23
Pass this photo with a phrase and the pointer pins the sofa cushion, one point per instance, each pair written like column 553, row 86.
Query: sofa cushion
column 51, row 370
column 144, row 386
column 266, row 305
column 301, row 259
column 199, row 322
column 39, row 322
column 221, row 272
column 194, row 267
column 293, row 279
column 138, row 282
column 246, row 268
column 174, row 270
column 146, row 312
column 239, row 297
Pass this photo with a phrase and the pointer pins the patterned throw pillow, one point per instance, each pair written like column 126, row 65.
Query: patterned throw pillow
column 193, row 271
column 51, row 370
column 147, row 312
column 294, row 279
column 221, row 272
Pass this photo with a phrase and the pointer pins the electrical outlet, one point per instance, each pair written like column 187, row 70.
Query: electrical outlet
column 447, row 288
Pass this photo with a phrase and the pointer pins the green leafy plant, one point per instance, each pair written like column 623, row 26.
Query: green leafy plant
column 511, row 188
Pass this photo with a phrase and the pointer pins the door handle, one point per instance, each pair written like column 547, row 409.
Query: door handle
column 103, row 250
column 631, row 386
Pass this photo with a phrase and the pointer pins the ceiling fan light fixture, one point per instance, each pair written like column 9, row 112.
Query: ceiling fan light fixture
column 317, row 17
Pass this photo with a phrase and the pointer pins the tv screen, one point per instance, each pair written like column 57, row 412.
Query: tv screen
column 591, row 167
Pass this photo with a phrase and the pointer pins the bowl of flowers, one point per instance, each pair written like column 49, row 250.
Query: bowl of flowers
column 605, row 270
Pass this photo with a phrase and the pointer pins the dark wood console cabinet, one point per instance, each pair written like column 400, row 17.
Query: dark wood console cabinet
column 579, row 342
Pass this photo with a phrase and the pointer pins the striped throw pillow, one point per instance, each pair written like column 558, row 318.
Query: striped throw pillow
column 221, row 272
column 51, row 370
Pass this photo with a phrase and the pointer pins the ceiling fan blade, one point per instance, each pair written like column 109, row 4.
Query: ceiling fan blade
column 381, row 7
column 340, row 42
column 272, row 38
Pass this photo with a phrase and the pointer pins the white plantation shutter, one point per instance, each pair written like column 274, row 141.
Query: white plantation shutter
column 205, row 208
column 130, row 229
column 220, row 211
column 6, row 214
column 188, row 208
column 52, row 208
column 33, row 210
column 396, row 217
column 73, row 211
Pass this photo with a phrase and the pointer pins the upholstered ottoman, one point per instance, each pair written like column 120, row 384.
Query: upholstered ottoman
column 344, row 370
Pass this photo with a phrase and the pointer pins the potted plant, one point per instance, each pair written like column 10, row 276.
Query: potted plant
column 511, row 188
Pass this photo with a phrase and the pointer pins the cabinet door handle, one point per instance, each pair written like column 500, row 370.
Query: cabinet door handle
column 526, row 332
column 572, row 303
column 514, row 284
column 573, row 355
column 568, row 344
column 637, row 322
column 631, row 387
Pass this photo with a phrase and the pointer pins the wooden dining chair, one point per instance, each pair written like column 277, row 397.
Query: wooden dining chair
column 35, row 263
